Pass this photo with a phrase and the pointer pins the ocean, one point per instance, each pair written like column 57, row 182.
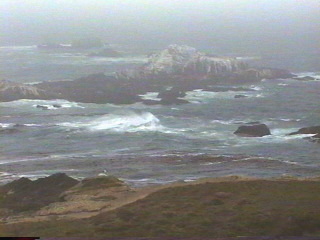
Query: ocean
column 152, row 144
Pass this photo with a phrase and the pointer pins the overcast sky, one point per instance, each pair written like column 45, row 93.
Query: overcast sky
column 227, row 25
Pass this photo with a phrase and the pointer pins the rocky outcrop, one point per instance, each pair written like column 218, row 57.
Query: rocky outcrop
column 180, row 68
column 97, row 88
column 185, row 61
column 10, row 91
column 310, row 130
column 253, row 130
column 26, row 195
column 307, row 130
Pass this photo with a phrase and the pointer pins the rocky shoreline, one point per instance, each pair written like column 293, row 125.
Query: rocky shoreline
column 106, row 206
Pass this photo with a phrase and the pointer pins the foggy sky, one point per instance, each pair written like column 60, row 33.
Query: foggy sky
column 224, row 25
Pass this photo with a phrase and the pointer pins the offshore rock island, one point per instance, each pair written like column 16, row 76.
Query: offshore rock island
column 170, row 72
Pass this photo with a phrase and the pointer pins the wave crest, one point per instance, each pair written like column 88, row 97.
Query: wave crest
column 131, row 122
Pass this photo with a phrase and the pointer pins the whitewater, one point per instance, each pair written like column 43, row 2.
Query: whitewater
column 152, row 144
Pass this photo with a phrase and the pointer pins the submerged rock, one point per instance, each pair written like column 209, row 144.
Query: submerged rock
column 240, row 96
column 254, row 130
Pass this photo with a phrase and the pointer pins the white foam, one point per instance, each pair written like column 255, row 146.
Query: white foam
column 6, row 125
column 150, row 96
column 46, row 103
column 129, row 122
column 256, row 88
column 199, row 95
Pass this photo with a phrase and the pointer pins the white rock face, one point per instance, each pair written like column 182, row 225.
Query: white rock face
column 185, row 60
column 24, row 90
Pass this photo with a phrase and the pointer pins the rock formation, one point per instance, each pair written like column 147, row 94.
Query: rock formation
column 181, row 68
column 187, row 61
column 184, row 62
column 25, row 195
column 10, row 91
column 253, row 130
column 310, row 130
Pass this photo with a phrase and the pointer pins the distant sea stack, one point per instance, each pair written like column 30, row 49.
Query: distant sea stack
column 184, row 62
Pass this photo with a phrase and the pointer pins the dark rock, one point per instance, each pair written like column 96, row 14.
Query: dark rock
column 56, row 106
column 171, row 94
column 240, row 96
column 176, row 101
column 306, row 78
column 11, row 91
column 255, row 130
column 97, row 88
column 42, row 107
column 25, row 195
column 308, row 130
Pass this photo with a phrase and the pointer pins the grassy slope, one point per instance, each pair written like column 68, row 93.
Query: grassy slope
column 245, row 208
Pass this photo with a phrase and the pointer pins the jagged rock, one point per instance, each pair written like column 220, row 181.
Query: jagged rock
column 97, row 88
column 24, row 194
column 185, row 60
column 255, row 130
column 310, row 130
column 10, row 91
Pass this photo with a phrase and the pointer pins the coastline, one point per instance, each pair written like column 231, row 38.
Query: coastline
column 110, row 202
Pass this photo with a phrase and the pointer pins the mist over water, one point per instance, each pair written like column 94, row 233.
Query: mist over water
column 225, row 26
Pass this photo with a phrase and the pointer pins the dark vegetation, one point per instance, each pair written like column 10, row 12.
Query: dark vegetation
column 225, row 209
column 26, row 195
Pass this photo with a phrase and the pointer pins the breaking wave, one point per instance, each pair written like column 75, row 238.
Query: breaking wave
column 132, row 122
